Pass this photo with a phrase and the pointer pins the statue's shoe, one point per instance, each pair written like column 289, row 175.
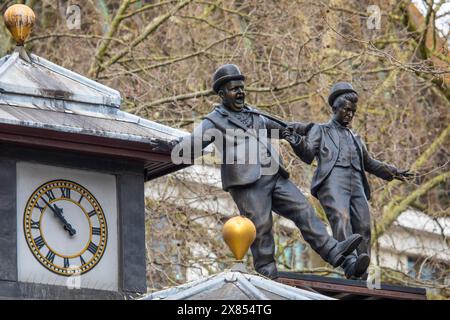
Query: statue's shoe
column 342, row 249
column 365, row 276
column 269, row 271
column 358, row 268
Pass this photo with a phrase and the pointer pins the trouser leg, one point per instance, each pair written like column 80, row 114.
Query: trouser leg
column 360, row 214
column 289, row 202
column 335, row 196
column 255, row 202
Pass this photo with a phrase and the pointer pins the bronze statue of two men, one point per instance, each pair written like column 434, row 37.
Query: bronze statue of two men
column 253, row 173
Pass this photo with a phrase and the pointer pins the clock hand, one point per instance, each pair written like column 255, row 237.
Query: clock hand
column 67, row 226
column 58, row 213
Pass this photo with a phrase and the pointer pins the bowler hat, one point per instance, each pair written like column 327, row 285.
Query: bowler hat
column 224, row 74
column 339, row 88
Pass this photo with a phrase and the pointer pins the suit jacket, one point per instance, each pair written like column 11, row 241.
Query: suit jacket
column 322, row 142
column 238, row 173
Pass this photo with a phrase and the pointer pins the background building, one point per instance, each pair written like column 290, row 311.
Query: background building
column 414, row 251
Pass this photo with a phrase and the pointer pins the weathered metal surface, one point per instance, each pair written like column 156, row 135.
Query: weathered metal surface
column 233, row 285
column 41, row 78
column 38, row 94
column 350, row 289
column 81, row 124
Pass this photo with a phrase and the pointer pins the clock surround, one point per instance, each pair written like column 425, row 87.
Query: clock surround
column 65, row 120
column 128, row 176
column 42, row 249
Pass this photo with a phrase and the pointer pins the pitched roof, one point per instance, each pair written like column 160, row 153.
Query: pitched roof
column 37, row 93
column 234, row 285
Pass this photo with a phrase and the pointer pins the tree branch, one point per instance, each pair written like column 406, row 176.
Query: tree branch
column 154, row 25
column 174, row 60
column 395, row 208
column 437, row 143
column 177, row 98
column 101, row 50
column 146, row 7
column 209, row 92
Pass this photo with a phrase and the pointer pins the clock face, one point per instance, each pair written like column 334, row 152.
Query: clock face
column 65, row 227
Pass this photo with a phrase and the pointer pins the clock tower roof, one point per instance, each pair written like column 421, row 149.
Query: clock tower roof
column 37, row 92
column 28, row 75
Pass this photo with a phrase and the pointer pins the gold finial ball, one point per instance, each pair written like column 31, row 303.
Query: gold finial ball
column 239, row 233
column 19, row 19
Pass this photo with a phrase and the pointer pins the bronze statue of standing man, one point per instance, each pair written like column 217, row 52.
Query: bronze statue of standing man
column 340, row 182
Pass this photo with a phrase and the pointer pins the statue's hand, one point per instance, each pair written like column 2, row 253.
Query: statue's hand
column 290, row 136
column 164, row 145
column 299, row 127
column 406, row 175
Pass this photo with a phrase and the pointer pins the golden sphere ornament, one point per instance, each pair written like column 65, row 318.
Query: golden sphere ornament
column 19, row 19
column 239, row 233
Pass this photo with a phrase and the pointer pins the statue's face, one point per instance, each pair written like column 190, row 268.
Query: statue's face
column 233, row 95
column 344, row 115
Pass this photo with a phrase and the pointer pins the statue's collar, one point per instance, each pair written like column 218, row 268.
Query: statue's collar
column 226, row 112
column 336, row 124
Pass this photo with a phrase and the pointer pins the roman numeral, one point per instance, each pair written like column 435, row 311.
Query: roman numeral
column 92, row 248
column 50, row 195
column 96, row 231
column 39, row 207
column 82, row 261
column 65, row 192
column 35, row 224
column 39, row 242
column 92, row 213
column 81, row 198
column 66, row 263
column 50, row 256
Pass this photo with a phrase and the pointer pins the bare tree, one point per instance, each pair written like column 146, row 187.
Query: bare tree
column 161, row 55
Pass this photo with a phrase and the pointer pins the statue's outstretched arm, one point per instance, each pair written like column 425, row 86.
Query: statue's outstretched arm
column 381, row 169
column 308, row 146
column 191, row 146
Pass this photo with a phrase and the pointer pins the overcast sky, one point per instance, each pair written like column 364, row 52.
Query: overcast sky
column 443, row 23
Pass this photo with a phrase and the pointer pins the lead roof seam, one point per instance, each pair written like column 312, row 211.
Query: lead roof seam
column 247, row 285
column 107, row 94
column 282, row 289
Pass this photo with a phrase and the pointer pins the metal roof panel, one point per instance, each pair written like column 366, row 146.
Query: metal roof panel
column 234, row 285
column 81, row 124
column 37, row 93
column 23, row 74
